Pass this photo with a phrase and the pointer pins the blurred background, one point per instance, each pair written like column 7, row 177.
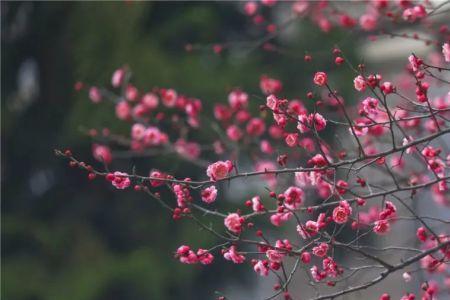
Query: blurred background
column 64, row 237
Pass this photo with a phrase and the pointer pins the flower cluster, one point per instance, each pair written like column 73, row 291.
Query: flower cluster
column 334, row 171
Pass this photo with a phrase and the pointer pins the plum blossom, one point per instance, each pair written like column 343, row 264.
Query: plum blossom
column 209, row 194
column 446, row 51
column 186, row 255
column 261, row 268
column 219, row 170
column 321, row 250
column 270, row 85
column 238, row 99
column 123, row 110
column 359, row 83
column 204, row 257
column 95, row 94
column 169, row 97
column 381, row 227
column 250, row 8
column 415, row 62
column 121, row 180
column 274, row 255
column 313, row 120
column 387, row 87
column 342, row 212
column 291, row 139
column 118, row 77
column 310, row 229
column 150, row 101
column 370, row 106
column 320, row 78
column 232, row 255
column 233, row 222
column 293, row 197
column 305, row 257
column 279, row 218
column 256, row 127
column 234, row 133
column 102, row 153
column 368, row 22
column 257, row 206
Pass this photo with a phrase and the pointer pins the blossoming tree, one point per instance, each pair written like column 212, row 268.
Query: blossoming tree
column 392, row 153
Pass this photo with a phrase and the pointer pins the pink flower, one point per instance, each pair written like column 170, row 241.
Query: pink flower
column 150, row 101
column 308, row 230
column 186, row 255
column 190, row 150
column 169, row 97
column 320, row 250
column 257, row 206
column 204, row 257
column 341, row 187
column 270, row 85
column 279, row 218
column 131, row 92
column 446, row 51
column 250, row 8
column 268, row 2
column 415, row 62
column 238, row 99
column 360, row 129
column 303, row 123
column 370, row 106
column 320, row 78
column 291, row 139
column 117, row 77
column 274, row 255
column 261, row 268
column 95, row 95
column 123, row 110
column 299, row 7
column 137, row 132
column 316, row 274
column 319, row 121
column 266, row 147
column 421, row 234
column 121, row 180
column 330, row 267
column 359, row 83
column 317, row 161
column 368, row 22
column 314, row 120
column 381, row 227
column 219, row 170
column 209, row 194
column 414, row 13
column 222, row 112
column 347, row 21
column 306, row 257
column 233, row 255
column 256, row 127
column 293, row 197
column 234, row 133
column 233, row 222
column 342, row 212
column 387, row 87
column 152, row 136
column 102, row 153
column 157, row 174
column 272, row 102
